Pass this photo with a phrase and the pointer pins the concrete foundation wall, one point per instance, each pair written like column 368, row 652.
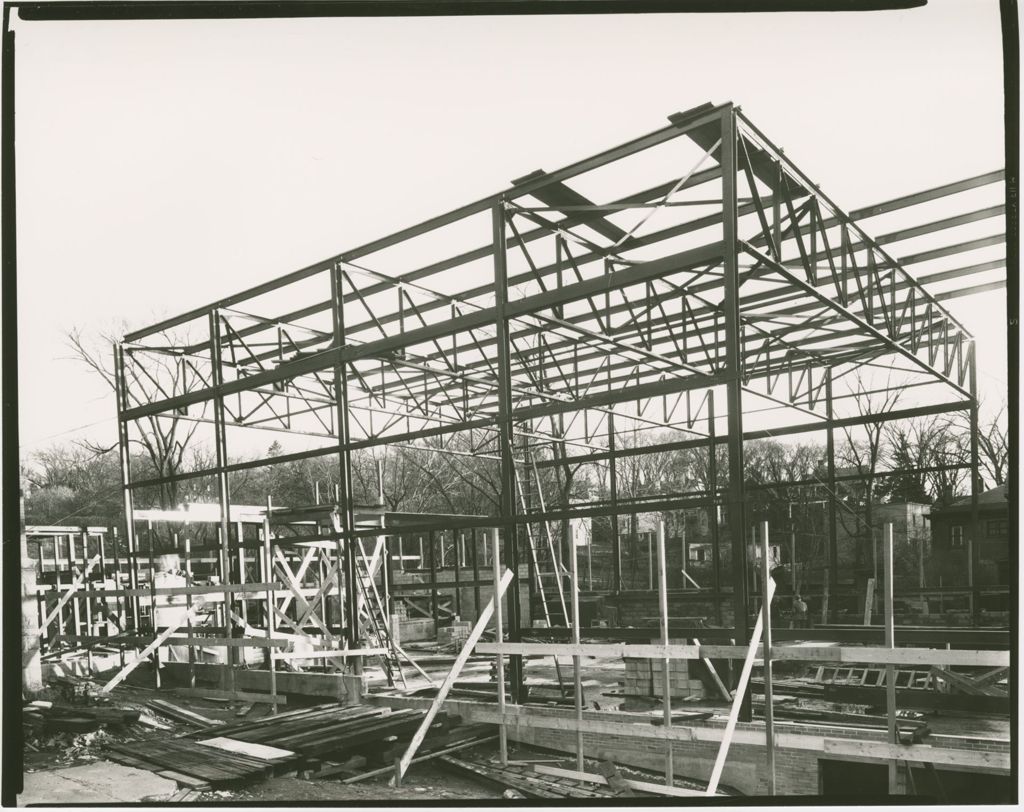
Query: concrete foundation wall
column 797, row 767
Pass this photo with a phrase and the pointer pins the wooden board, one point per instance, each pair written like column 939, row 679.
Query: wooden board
column 839, row 654
column 241, row 696
column 643, row 786
column 262, row 751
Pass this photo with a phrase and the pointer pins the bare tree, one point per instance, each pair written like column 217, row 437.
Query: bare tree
column 993, row 448
column 165, row 438
column 863, row 456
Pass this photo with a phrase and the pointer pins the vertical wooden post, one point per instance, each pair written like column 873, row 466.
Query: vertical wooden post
column 970, row 577
column 666, row 663
column 890, row 642
column 475, row 548
column 122, row 614
column 458, row 576
column 766, row 623
column 88, row 601
column 499, row 637
column 240, row 540
column 271, row 601
column 431, row 539
column 792, row 552
column 189, row 580
column 824, row 600
column 682, row 544
column 76, row 608
column 650, row 561
column 152, row 602
column 576, row 678
column 56, row 588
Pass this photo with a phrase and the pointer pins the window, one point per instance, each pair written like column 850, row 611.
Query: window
column 995, row 528
column 698, row 554
column 957, row 536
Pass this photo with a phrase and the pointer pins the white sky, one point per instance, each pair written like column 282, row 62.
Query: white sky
column 162, row 165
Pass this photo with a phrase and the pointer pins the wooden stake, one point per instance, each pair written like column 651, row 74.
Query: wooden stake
column 766, row 623
column 271, row 599
column 890, row 642
column 499, row 637
column 666, row 663
column 577, row 680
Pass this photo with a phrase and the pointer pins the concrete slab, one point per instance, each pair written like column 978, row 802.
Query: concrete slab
column 101, row 782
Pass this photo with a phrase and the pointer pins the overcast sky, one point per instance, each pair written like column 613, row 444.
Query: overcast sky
column 163, row 165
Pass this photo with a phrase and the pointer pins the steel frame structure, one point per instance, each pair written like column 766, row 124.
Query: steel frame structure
column 762, row 294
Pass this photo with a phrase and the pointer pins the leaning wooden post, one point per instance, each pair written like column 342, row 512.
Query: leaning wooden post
column 890, row 642
column 449, row 681
column 741, row 689
column 766, row 623
column 499, row 635
column 577, row 680
column 666, row 663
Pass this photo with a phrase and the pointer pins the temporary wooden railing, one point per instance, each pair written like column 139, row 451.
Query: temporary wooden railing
column 889, row 656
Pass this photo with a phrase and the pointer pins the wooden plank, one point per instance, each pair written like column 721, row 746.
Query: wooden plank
column 883, row 751
column 869, row 600
column 666, row 667
column 241, row 696
column 992, row 677
column 187, row 780
column 328, row 655
column 435, row 706
column 766, row 631
column 848, row 654
column 965, row 684
column 180, row 590
column 182, row 714
column 890, row 643
column 643, row 786
column 228, row 642
column 499, row 635
column 260, row 751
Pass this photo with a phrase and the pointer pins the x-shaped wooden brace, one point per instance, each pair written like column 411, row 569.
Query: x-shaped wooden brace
column 296, row 589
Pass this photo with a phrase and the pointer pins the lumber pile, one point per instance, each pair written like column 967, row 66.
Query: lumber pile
column 331, row 729
column 193, row 765
column 52, row 717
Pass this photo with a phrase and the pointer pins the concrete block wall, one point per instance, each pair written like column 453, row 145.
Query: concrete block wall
column 646, row 678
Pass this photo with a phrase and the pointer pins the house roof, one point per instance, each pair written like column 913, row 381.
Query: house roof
column 992, row 499
column 996, row 495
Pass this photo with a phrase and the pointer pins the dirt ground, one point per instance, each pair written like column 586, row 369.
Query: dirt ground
column 423, row 782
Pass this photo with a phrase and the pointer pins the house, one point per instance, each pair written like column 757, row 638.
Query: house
column 952, row 537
